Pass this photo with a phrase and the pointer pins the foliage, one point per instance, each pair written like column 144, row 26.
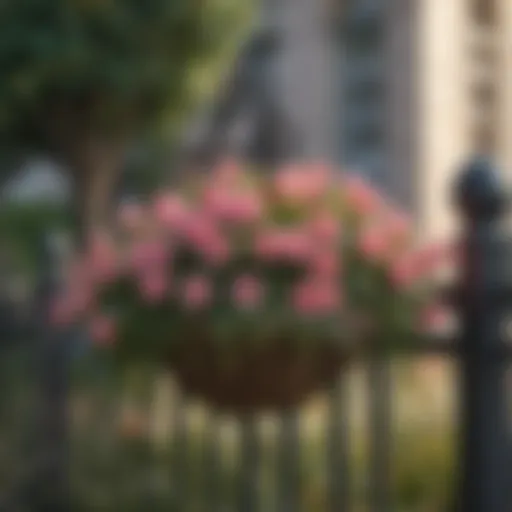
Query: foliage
column 303, row 258
column 422, row 473
column 83, row 79
column 148, row 167
column 102, row 65
column 22, row 227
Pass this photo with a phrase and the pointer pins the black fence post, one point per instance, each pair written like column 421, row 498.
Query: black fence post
column 484, row 423
column 49, row 490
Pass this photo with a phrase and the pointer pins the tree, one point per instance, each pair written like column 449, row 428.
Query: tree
column 82, row 78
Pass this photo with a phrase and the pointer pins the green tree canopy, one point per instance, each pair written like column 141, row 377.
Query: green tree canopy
column 81, row 78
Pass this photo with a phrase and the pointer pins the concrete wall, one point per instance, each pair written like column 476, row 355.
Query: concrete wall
column 504, row 80
column 443, row 138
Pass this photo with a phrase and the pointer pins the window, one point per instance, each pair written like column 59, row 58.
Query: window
column 371, row 91
column 483, row 60
column 483, row 95
column 364, row 86
column 485, row 137
column 484, row 12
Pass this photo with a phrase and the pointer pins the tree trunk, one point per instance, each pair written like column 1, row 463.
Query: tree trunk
column 95, row 167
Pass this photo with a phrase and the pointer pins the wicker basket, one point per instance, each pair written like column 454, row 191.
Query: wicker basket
column 269, row 378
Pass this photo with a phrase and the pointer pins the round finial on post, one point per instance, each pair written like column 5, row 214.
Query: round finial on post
column 482, row 200
column 479, row 193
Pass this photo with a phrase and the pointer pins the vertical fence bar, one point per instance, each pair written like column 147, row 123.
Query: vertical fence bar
column 339, row 481
column 212, row 470
column 249, row 475
column 50, row 491
column 289, row 484
column 181, row 456
column 484, row 435
column 380, row 418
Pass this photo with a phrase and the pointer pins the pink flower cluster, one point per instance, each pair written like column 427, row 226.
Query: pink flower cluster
column 316, row 296
column 103, row 330
column 360, row 197
column 227, row 214
column 131, row 216
column 419, row 265
column 324, row 227
column 299, row 184
column 202, row 233
column 234, row 206
column 171, row 210
column 247, row 292
column 292, row 245
column 103, row 259
column 197, row 227
column 197, row 292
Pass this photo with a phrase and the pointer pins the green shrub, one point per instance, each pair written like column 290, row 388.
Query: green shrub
column 22, row 227
column 422, row 472
column 423, row 469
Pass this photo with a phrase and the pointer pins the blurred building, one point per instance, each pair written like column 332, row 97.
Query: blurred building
column 426, row 84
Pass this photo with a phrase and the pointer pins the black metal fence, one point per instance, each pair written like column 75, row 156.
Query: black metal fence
column 38, row 476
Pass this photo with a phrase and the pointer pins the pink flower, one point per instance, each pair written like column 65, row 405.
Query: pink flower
column 130, row 216
column 433, row 257
column 398, row 226
column 281, row 244
column 313, row 297
column 374, row 244
column 247, row 292
column 325, row 227
column 148, row 254
column 153, row 286
column 234, row 206
column 205, row 236
column 433, row 317
column 103, row 260
column 421, row 264
column 403, row 272
column 103, row 330
column 360, row 196
column 197, row 292
column 247, row 208
column 104, row 270
column 199, row 229
column 217, row 251
column 320, row 169
column 301, row 184
column 326, row 264
column 171, row 210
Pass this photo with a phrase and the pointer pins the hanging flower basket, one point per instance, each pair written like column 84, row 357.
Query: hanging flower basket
column 275, row 377
column 254, row 290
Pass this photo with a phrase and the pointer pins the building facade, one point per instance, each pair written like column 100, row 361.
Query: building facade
column 443, row 91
